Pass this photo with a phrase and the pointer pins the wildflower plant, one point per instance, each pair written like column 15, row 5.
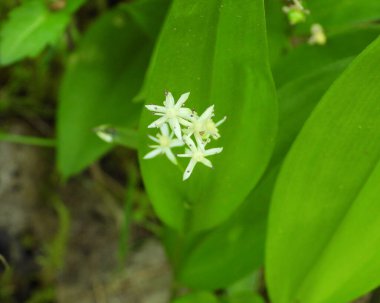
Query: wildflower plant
column 178, row 124
column 297, row 194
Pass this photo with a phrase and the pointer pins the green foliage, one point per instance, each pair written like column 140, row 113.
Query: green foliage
column 276, row 29
column 306, row 59
column 6, row 280
column 200, row 297
column 245, row 297
column 237, row 247
column 101, row 80
column 294, row 192
column 45, row 295
column 53, row 261
column 324, row 203
column 339, row 14
column 31, row 27
column 228, row 68
column 232, row 250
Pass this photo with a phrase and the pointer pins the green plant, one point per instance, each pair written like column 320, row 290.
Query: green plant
column 295, row 190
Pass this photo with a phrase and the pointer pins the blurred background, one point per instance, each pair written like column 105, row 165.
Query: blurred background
column 73, row 240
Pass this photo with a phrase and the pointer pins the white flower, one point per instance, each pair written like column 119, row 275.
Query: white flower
column 187, row 126
column 317, row 35
column 172, row 113
column 197, row 153
column 165, row 143
column 203, row 127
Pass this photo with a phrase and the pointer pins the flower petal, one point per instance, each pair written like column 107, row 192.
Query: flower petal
column 213, row 151
column 155, row 139
column 156, row 108
column 184, row 155
column 171, row 156
column 158, row 122
column 182, row 100
column 221, row 121
column 165, row 130
column 206, row 162
column 189, row 169
column 208, row 113
column 184, row 122
column 201, row 144
column 176, row 143
column 152, row 154
column 176, row 128
column 169, row 101
column 190, row 143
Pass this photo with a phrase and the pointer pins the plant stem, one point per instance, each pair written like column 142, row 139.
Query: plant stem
column 28, row 140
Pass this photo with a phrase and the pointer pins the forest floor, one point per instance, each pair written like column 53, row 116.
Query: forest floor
column 62, row 241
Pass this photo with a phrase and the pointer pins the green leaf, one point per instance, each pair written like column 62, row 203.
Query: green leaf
column 245, row 297
column 31, row 27
column 343, row 13
column 226, row 65
column 306, row 59
column 297, row 100
column 323, row 241
column 236, row 248
column 232, row 250
column 200, row 297
column 276, row 29
column 101, row 80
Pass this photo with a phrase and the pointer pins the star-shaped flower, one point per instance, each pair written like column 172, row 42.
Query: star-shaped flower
column 203, row 127
column 197, row 153
column 172, row 113
column 164, row 144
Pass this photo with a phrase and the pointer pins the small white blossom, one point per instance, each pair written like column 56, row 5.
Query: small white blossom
column 317, row 35
column 197, row 153
column 164, row 144
column 172, row 113
column 203, row 127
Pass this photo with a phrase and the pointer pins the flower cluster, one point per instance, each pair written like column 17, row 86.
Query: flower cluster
column 181, row 126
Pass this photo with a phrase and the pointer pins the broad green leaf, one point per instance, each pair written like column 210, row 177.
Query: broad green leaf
column 245, row 297
column 31, row 27
column 306, row 59
column 340, row 15
column 297, row 100
column 201, row 297
column 236, row 248
column 101, row 80
column 323, row 241
column 217, row 51
column 343, row 13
